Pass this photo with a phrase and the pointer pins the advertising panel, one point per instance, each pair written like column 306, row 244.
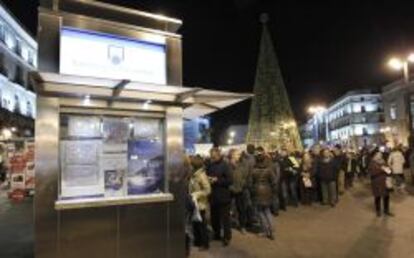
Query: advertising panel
column 95, row 54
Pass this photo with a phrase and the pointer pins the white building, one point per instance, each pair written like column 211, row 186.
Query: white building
column 354, row 120
column 18, row 56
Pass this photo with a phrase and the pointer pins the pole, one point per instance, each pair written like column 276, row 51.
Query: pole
column 406, row 72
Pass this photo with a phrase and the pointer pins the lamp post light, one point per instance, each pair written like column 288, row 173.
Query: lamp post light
column 230, row 140
column 399, row 64
column 316, row 111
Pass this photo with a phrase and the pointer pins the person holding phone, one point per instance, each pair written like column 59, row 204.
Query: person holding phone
column 220, row 178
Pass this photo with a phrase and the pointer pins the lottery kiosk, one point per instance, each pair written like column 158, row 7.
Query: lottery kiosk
column 109, row 143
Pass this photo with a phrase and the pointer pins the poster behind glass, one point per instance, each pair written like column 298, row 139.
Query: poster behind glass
column 146, row 158
column 111, row 156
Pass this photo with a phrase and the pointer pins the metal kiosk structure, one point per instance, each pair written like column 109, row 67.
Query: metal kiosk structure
column 86, row 206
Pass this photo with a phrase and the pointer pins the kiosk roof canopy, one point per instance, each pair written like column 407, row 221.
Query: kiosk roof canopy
column 195, row 100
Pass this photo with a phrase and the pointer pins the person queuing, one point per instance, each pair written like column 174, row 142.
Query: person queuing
column 263, row 183
column 248, row 161
column 351, row 169
column 289, row 167
column 239, row 175
column 339, row 160
column 396, row 162
column 411, row 163
column 200, row 189
column 327, row 173
column 276, row 170
column 256, row 188
column 220, row 178
column 380, row 182
column 363, row 161
column 307, row 182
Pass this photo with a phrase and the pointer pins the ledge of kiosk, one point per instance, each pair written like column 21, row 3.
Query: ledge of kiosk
column 112, row 201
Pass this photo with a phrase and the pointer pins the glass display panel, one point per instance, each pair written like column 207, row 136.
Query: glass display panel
column 104, row 156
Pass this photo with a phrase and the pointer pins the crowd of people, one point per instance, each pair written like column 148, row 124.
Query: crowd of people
column 246, row 189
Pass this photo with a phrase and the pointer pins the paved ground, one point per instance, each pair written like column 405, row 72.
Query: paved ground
column 16, row 228
column 351, row 230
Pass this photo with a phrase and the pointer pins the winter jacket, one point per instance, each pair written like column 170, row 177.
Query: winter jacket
column 199, row 188
column 289, row 167
column 396, row 161
column 351, row 165
column 378, row 178
column 263, row 181
column 239, row 174
column 220, row 190
column 327, row 170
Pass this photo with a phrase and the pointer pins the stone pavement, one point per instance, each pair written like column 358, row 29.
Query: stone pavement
column 351, row 230
column 16, row 228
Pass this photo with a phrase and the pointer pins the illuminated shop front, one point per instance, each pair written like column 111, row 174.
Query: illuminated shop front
column 109, row 132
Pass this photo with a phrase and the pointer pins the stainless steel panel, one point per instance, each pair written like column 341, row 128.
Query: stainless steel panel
column 174, row 62
column 177, row 185
column 143, row 231
column 48, row 38
column 120, row 14
column 113, row 201
column 87, row 233
column 47, row 169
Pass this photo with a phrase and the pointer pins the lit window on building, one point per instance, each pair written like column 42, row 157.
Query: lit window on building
column 2, row 33
column 393, row 111
column 29, row 110
column 16, row 108
column 10, row 40
column 3, row 69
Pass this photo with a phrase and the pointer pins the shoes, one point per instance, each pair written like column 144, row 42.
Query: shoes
column 378, row 214
column 270, row 236
column 389, row 214
column 203, row 249
column 217, row 238
column 226, row 242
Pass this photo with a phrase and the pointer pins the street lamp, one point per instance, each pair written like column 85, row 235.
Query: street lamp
column 398, row 64
column 316, row 111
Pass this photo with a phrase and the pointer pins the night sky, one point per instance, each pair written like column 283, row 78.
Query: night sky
column 324, row 49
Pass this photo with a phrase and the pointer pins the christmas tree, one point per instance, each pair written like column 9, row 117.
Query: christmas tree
column 271, row 123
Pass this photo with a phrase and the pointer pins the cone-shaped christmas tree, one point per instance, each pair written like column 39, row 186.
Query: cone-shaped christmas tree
column 271, row 122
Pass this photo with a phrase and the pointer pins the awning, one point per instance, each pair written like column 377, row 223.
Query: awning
column 196, row 101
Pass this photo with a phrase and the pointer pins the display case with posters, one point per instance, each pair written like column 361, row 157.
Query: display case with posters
column 107, row 158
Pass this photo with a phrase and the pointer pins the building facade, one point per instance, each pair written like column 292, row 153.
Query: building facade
column 18, row 56
column 398, row 98
column 354, row 120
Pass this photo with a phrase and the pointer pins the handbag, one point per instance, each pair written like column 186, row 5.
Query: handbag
column 196, row 216
column 389, row 183
column 307, row 182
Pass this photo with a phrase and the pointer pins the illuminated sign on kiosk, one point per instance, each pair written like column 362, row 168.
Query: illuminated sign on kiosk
column 95, row 54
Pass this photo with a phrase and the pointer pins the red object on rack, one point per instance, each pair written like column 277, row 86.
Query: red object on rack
column 17, row 195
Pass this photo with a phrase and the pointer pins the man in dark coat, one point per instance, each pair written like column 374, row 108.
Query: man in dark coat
column 289, row 169
column 327, row 175
column 219, row 174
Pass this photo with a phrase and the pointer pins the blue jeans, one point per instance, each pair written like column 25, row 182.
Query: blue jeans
column 329, row 193
column 265, row 218
column 290, row 191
